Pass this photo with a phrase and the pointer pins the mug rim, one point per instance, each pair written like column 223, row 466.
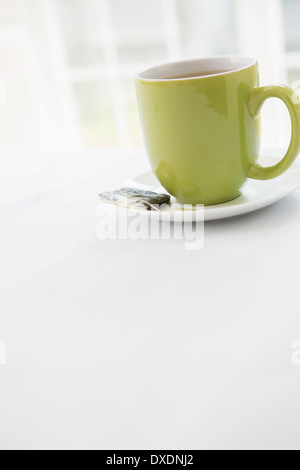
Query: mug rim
column 244, row 61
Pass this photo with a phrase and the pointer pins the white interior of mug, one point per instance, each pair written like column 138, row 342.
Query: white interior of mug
column 213, row 65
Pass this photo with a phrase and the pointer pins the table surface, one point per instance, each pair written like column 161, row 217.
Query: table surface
column 122, row 344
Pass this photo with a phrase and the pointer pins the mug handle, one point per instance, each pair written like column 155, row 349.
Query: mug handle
column 256, row 100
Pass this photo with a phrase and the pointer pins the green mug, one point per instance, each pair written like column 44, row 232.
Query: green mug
column 201, row 126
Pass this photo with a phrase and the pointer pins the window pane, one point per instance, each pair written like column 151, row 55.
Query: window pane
column 291, row 15
column 155, row 53
column 137, row 15
column 207, row 27
column 96, row 114
column 79, row 30
column 293, row 76
column 110, row 40
column 132, row 112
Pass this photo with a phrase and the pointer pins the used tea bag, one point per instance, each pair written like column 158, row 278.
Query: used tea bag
column 136, row 198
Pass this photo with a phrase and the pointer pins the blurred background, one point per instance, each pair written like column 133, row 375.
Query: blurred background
column 67, row 66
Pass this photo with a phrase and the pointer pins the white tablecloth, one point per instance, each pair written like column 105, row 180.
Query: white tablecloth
column 141, row 344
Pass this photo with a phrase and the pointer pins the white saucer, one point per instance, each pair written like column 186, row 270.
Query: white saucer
column 255, row 195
